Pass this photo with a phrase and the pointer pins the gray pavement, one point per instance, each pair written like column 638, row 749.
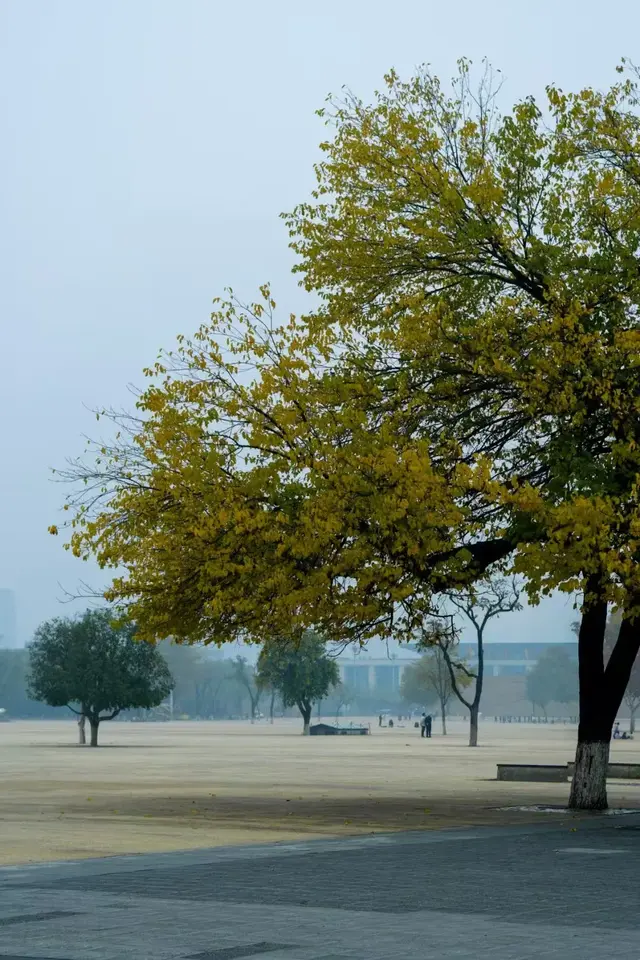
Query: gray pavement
column 553, row 891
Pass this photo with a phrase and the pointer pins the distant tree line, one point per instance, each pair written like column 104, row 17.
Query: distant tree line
column 96, row 670
column 14, row 699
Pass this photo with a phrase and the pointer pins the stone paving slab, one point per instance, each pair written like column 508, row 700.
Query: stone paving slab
column 546, row 893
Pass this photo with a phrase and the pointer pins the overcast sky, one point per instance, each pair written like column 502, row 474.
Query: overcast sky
column 148, row 147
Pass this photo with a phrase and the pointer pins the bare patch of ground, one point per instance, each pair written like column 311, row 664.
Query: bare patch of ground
column 160, row 787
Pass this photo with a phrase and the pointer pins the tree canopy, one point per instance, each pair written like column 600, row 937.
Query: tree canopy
column 491, row 263
column 417, row 687
column 491, row 409
column 300, row 670
column 95, row 669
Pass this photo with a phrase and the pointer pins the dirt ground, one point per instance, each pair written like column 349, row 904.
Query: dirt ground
column 174, row 786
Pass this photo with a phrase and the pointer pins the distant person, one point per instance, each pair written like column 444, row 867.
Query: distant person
column 423, row 725
column 616, row 731
column 380, row 720
column 428, row 720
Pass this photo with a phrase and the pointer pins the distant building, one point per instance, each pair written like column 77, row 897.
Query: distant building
column 376, row 670
column 8, row 627
column 512, row 659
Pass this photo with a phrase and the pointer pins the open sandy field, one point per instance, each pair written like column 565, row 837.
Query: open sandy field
column 171, row 786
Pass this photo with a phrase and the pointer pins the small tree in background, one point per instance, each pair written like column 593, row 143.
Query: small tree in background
column 632, row 699
column 247, row 678
column 553, row 679
column 439, row 677
column 565, row 687
column 272, row 693
column 95, row 669
column 272, row 704
column 344, row 697
column 416, row 688
column 537, row 689
column 441, row 681
column 430, row 678
column 300, row 670
column 487, row 600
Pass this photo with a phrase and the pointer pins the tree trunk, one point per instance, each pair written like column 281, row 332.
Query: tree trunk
column 475, row 706
column 82, row 736
column 443, row 714
column 305, row 710
column 472, row 706
column 589, row 786
column 632, row 720
column 94, row 731
column 473, row 725
column 272, row 705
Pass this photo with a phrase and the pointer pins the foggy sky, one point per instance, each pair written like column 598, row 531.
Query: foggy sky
column 148, row 147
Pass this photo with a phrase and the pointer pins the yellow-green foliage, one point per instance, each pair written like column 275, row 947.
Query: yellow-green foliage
column 467, row 394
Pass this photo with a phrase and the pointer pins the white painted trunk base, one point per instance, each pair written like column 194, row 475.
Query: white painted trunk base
column 589, row 786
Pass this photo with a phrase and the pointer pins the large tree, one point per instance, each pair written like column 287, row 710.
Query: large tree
column 467, row 395
column 95, row 669
column 300, row 670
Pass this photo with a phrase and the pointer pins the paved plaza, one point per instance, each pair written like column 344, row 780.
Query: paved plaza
column 558, row 889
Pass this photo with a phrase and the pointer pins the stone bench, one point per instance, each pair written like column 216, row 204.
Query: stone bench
column 533, row 772
column 328, row 730
column 617, row 771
